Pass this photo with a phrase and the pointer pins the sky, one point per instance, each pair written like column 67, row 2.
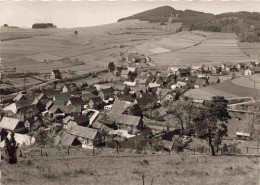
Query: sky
column 68, row 14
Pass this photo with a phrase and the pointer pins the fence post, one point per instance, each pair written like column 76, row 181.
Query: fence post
column 117, row 150
column 41, row 152
column 143, row 178
column 194, row 151
column 93, row 151
column 247, row 150
column 68, row 150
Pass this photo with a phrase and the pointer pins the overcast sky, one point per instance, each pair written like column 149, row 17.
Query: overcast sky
column 86, row 13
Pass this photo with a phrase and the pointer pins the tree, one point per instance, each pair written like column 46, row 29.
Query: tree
column 10, row 149
column 6, row 25
column 111, row 67
column 210, row 123
column 76, row 32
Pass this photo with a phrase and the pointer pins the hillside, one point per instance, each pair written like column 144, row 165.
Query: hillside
column 245, row 24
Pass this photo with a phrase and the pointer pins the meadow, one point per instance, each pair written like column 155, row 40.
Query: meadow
column 107, row 167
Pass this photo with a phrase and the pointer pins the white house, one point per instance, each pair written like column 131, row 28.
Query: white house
column 248, row 72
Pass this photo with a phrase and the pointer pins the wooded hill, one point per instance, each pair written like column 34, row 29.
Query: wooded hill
column 245, row 24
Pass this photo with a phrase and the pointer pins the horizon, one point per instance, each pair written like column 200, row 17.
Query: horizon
column 71, row 14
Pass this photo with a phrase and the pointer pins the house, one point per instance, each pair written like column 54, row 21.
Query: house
column 185, row 71
column 145, row 100
column 90, row 89
column 140, row 88
column 14, row 107
column 213, row 70
column 242, row 65
column 131, row 85
column 108, row 107
column 117, row 71
column 256, row 70
column 76, row 101
column 161, row 93
column 125, row 121
column 19, row 97
column 180, row 84
column 71, row 109
column 55, row 74
column 55, row 110
column 174, row 70
column 118, row 89
column 141, row 79
column 97, row 125
column 11, row 124
column 248, row 72
column 39, row 105
column 81, row 120
column 26, row 112
column 69, row 88
column 125, row 74
column 169, row 96
column 43, row 98
column 103, row 86
column 69, row 140
column 62, row 96
column 153, row 85
column 120, row 106
column 195, row 69
column 49, row 93
column 127, row 97
column 132, row 69
column 105, row 94
column 67, row 119
column 96, row 103
column 87, row 96
column 89, row 137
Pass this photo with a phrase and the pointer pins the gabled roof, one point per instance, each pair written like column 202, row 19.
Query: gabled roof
column 97, row 100
column 76, row 101
column 19, row 96
column 127, row 98
column 120, row 106
column 131, row 84
column 107, row 91
column 42, row 96
column 9, row 123
column 29, row 110
column 125, row 72
column 90, row 89
column 62, row 96
column 97, row 125
column 68, row 109
column 88, row 95
column 83, row 132
column 152, row 85
column 119, row 87
column 163, row 92
column 146, row 100
column 51, row 92
column 55, row 109
column 23, row 103
column 81, row 119
column 132, row 69
column 124, row 119
column 67, row 139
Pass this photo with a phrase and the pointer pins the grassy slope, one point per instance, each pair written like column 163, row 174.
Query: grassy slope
column 82, row 168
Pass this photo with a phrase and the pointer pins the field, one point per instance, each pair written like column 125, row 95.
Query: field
column 80, row 167
column 191, row 48
column 239, row 87
column 251, row 49
column 93, row 47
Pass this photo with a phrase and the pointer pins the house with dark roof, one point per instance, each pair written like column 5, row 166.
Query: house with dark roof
column 55, row 110
column 55, row 74
column 90, row 89
column 76, row 101
column 50, row 92
column 81, row 120
column 39, row 105
column 96, row 103
column 145, row 100
column 71, row 109
column 105, row 94
column 26, row 112
column 62, row 96
column 125, row 74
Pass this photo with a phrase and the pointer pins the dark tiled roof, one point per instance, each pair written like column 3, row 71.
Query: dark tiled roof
column 76, row 101
column 81, row 119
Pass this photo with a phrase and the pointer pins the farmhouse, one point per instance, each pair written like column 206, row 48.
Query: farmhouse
column 62, row 96
column 69, row 140
column 19, row 97
column 131, row 85
column 175, row 70
column 125, row 74
column 81, row 120
column 248, row 72
column 55, row 74
column 76, row 101
column 119, row 106
column 69, row 88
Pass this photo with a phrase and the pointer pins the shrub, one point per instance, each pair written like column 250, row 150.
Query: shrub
column 178, row 145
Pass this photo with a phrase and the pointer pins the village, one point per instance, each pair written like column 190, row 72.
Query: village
column 129, row 106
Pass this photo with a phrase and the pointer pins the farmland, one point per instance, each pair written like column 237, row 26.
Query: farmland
column 94, row 47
